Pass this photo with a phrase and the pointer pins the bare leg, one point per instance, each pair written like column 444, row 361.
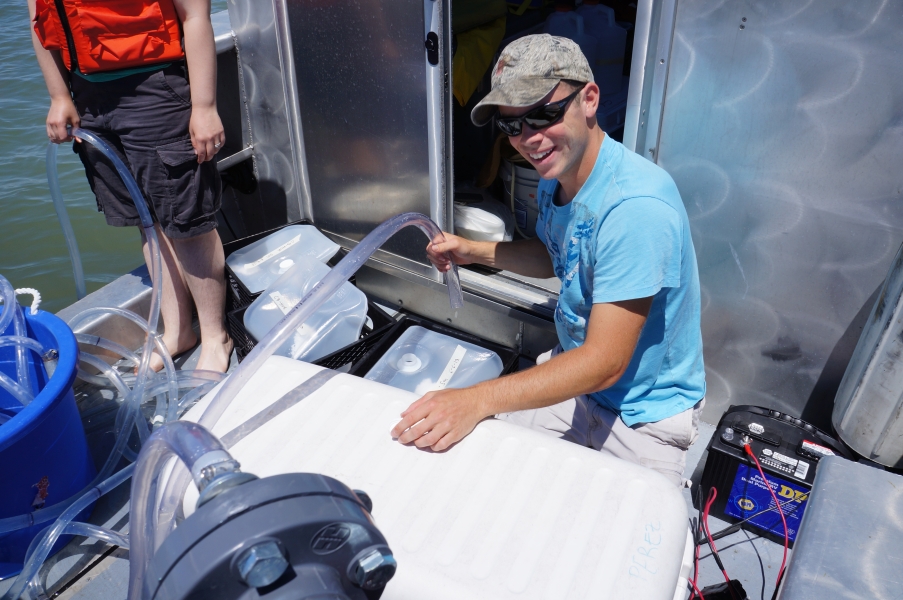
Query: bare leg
column 203, row 267
column 175, row 305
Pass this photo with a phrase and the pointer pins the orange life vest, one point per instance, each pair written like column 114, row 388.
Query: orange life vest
column 108, row 35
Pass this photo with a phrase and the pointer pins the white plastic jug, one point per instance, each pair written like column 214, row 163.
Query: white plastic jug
column 569, row 24
column 336, row 323
column 421, row 360
column 484, row 221
column 259, row 264
column 608, row 63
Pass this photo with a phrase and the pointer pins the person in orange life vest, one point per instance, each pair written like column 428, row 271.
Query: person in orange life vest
column 119, row 70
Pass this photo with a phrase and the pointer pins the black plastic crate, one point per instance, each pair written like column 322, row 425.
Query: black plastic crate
column 382, row 324
column 237, row 295
column 373, row 351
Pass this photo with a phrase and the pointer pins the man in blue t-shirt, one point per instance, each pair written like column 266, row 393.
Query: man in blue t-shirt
column 627, row 377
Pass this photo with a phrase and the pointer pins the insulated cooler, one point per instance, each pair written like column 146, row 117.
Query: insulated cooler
column 506, row 514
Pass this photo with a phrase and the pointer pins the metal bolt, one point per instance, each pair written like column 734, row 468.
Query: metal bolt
column 365, row 499
column 374, row 569
column 661, row 61
column 448, row 320
column 262, row 564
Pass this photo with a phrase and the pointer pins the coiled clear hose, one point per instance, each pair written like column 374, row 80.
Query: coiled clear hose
column 136, row 394
column 35, row 589
column 128, row 414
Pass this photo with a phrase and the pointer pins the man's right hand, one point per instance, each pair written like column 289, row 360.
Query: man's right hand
column 62, row 113
column 462, row 251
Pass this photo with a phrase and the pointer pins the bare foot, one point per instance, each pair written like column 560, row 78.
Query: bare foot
column 215, row 357
column 176, row 346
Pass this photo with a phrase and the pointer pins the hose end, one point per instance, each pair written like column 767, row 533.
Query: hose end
column 221, row 484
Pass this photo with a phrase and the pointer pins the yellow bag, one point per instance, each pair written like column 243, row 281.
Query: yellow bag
column 467, row 14
column 476, row 49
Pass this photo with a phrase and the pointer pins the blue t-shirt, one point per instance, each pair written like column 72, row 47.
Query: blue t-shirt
column 624, row 236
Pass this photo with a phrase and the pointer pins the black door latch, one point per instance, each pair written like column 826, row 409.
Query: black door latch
column 432, row 48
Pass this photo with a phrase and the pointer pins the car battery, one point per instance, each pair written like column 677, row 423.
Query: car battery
column 788, row 450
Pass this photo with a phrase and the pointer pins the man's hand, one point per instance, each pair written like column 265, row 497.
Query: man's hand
column 207, row 135
column 462, row 251
column 62, row 113
column 441, row 418
column 525, row 257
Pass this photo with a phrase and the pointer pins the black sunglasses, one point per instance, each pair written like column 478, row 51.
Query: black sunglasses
column 538, row 118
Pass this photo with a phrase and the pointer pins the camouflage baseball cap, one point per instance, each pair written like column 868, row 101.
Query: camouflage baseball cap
column 527, row 70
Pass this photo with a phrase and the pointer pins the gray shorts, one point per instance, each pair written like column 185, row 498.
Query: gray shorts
column 144, row 118
column 661, row 446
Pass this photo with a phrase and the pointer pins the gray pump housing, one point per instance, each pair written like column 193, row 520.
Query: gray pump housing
column 297, row 536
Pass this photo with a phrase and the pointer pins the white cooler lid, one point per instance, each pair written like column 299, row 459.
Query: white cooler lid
column 506, row 513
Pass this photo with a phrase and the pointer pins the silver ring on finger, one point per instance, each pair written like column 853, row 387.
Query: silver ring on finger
column 217, row 145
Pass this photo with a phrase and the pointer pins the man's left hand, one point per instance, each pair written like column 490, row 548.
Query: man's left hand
column 207, row 135
column 440, row 419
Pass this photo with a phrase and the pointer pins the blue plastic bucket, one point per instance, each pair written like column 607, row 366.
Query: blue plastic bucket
column 44, row 457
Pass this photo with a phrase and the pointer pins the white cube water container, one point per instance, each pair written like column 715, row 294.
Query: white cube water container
column 333, row 326
column 259, row 264
column 506, row 514
column 421, row 360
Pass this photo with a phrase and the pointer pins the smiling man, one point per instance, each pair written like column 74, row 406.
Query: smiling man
column 627, row 377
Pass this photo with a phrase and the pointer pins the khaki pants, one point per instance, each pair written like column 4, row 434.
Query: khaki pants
column 661, row 446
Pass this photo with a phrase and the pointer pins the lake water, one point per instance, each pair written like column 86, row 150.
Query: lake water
column 32, row 248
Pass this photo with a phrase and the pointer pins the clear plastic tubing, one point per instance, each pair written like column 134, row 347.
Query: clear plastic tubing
column 108, row 371
column 34, row 562
column 22, row 371
column 17, row 391
column 195, row 395
column 8, row 295
column 99, row 342
column 168, row 365
column 147, row 223
column 53, row 182
column 15, row 340
column 35, row 589
column 198, row 449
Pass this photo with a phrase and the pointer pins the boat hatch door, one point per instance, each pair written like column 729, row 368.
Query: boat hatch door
column 370, row 95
